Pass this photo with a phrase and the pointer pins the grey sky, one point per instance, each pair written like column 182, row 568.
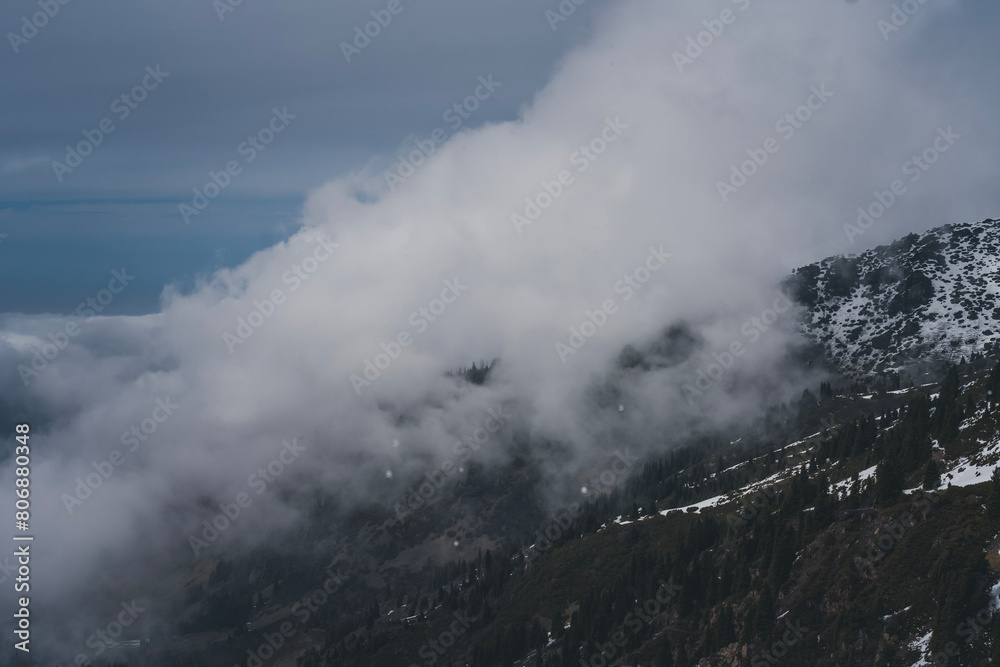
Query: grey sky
column 225, row 76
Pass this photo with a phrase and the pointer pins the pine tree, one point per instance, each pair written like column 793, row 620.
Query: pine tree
column 888, row 481
column 993, row 386
column 993, row 504
column 947, row 415
column 932, row 476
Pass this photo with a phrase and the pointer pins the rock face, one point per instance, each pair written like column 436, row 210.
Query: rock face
column 927, row 297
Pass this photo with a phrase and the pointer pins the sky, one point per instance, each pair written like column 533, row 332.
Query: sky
column 224, row 72
column 641, row 168
column 227, row 67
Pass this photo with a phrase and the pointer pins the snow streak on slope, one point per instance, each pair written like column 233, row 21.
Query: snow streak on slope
column 931, row 296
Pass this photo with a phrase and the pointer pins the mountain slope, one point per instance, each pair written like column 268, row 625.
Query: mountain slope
column 803, row 536
column 931, row 296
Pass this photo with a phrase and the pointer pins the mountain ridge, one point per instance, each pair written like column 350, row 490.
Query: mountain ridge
column 858, row 525
column 926, row 297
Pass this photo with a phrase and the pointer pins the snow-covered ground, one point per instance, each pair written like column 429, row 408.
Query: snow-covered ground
column 841, row 488
column 974, row 469
column 932, row 296
column 922, row 644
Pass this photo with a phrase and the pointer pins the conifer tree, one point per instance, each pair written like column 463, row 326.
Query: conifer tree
column 888, row 481
column 932, row 476
column 993, row 504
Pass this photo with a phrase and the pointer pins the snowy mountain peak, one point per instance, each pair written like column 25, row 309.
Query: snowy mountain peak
column 926, row 297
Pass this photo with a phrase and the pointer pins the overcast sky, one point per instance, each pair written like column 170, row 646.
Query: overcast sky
column 120, row 206
column 227, row 72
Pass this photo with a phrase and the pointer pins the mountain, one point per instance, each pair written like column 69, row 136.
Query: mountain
column 858, row 524
column 931, row 296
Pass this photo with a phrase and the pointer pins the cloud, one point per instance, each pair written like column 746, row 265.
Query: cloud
column 19, row 164
column 309, row 319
